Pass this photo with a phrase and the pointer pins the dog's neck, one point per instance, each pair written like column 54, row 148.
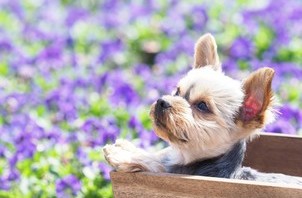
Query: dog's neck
column 224, row 165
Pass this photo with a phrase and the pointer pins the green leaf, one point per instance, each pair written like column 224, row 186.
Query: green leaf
column 3, row 69
column 263, row 39
column 41, row 110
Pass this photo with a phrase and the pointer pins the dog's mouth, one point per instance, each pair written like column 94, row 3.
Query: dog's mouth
column 159, row 118
column 160, row 114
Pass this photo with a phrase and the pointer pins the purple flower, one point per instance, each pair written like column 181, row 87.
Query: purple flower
column 99, row 132
column 74, row 15
column 82, row 156
column 241, row 48
column 53, row 51
column 199, row 17
column 281, row 126
column 123, row 93
column 100, row 81
column 230, row 66
column 68, row 186
column 105, row 170
column 2, row 151
column 13, row 174
column 288, row 122
column 25, row 145
column 109, row 48
column 8, row 177
column 134, row 123
column 16, row 8
column 5, row 184
column 147, row 138
column 5, row 45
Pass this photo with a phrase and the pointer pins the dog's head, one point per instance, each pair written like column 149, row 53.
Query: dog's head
column 208, row 108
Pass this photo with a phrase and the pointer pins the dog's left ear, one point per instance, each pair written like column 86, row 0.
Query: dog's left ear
column 206, row 53
column 258, row 98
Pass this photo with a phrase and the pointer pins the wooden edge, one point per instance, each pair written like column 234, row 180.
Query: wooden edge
column 204, row 178
column 154, row 185
column 269, row 134
column 277, row 153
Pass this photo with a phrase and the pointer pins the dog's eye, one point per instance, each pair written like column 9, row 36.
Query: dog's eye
column 203, row 107
column 177, row 92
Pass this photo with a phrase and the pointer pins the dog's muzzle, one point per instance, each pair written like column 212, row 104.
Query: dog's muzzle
column 160, row 107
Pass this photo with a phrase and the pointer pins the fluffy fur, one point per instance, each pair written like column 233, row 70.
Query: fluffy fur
column 206, row 122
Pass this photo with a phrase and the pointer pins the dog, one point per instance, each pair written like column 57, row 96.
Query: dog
column 206, row 122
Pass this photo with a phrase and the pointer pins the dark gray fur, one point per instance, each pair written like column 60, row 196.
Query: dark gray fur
column 222, row 166
column 229, row 165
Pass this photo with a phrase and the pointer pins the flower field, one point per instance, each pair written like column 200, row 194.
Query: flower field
column 77, row 74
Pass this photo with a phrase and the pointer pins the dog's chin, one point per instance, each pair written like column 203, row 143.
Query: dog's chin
column 161, row 127
column 158, row 117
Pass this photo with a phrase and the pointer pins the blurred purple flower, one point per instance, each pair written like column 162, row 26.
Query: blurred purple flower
column 25, row 145
column 100, row 81
column 53, row 51
column 82, row 156
column 5, row 184
column 13, row 174
column 176, row 12
column 199, row 17
column 8, row 177
column 74, row 15
column 133, row 123
column 288, row 121
column 16, row 8
column 14, row 102
column 147, row 138
column 68, row 186
column 99, row 132
column 122, row 93
column 230, row 65
column 109, row 48
column 241, row 48
column 281, row 126
column 2, row 151
column 64, row 99
column 5, row 45
column 105, row 170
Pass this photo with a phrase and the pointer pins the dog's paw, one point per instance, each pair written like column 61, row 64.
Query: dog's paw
column 125, row 144
column 122, row 156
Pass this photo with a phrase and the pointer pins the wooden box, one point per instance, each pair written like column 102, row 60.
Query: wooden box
column 268, row 153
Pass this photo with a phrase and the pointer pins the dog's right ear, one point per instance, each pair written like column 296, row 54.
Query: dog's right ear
column 206, row 53
column 255, row 110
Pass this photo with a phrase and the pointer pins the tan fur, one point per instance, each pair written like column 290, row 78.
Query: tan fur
column 237, row 110
column 259, row 84
column 206, row 52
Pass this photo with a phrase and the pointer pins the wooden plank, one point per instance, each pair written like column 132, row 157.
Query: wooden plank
column 275, row 153
column 155, row 185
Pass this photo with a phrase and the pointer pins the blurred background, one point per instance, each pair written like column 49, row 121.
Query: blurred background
column 77, row 74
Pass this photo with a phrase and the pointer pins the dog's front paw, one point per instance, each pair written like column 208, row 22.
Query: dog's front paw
column 126, row 145
column 123, row 156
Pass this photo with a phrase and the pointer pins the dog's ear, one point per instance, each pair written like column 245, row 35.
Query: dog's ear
column 206, row 52
column 258, row 98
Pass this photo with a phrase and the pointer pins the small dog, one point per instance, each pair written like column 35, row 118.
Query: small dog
column 206, row 123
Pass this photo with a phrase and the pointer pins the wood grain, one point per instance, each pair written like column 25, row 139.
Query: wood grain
column 155, row 185
column 275, row 153
column 268, row 153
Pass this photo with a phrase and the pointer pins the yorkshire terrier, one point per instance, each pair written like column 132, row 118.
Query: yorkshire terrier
column 206, row 122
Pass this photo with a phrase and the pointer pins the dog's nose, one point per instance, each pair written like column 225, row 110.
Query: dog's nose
column 163, row 104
